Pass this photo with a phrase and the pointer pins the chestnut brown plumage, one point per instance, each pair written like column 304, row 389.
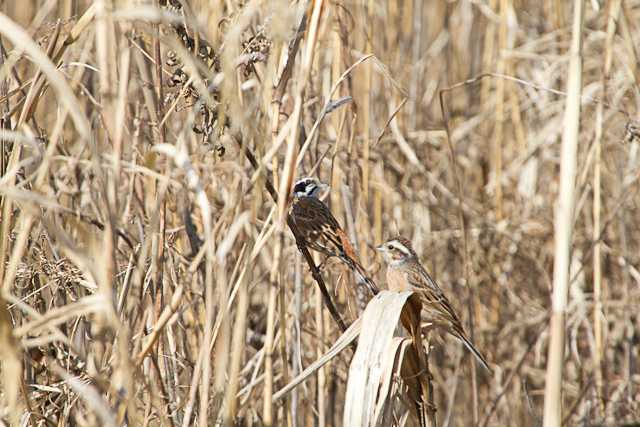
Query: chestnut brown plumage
column 320, row 230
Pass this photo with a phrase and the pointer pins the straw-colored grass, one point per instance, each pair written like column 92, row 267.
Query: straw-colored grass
column 149, row 272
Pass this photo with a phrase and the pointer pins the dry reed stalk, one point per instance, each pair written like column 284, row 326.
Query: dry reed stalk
column 564, row 225
column 269, row 345
column 296, row 336
column 321, row 375
column 629, row 356
column 158, row 250
column 339, row 345
column 416, row 52
column 237, row 346
column 466, row 254
column 26, row 221
column 498, row 135
column 19, row 36
column 285, row 181
column 290, row 163
column 159, row 326
column 61, row 191
column 283, row 347
column 488, row 53
column 629, row 45
column 614, row 11
column 366, row 106
column 11, row 365
column 181, row 159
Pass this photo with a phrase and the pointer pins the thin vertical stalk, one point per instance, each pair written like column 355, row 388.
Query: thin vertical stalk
column 286, row 179
column 629, row 44
column 267, row 408
column 283, row 347
column 614, row 12
column 105, row 36
column 500, row 100
column 564, row 225
column 11, row 372
column 597, row 259
column 238, row 342
column 487, row 54
column 485, row 93
column 366, row 130
column 320, row 402
column 296, row 358
column 416, row 76
column 630, row 355
column 289, row 169
column 366, row 110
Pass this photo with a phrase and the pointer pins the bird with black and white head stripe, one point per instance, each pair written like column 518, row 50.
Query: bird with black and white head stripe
column 319, row 229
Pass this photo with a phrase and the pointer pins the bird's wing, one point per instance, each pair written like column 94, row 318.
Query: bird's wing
column 434, row 300
column 321, row 232
column 317, row 225
column 439, row 307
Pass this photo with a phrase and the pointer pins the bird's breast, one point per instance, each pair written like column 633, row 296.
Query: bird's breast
column 397, row 280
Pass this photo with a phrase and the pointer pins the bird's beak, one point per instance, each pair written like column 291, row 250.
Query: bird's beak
column 380, row 248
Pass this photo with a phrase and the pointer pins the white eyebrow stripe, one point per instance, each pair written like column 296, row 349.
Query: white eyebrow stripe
column 399, row 246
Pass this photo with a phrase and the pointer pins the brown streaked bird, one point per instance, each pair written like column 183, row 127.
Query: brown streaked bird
column 405, row 273
column 320, row 230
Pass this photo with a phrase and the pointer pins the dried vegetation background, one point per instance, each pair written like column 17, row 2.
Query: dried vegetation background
column 149, row 279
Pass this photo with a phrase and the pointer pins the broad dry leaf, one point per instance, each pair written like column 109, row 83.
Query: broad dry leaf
column 371, row 360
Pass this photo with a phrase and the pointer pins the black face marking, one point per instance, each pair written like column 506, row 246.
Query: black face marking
column 306, row 187
column 301, row 186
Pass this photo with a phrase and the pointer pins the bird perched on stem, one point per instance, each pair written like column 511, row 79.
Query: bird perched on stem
column 319, row 229
column 405, row 273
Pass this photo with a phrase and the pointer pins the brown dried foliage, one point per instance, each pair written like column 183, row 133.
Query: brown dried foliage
column 149, row 278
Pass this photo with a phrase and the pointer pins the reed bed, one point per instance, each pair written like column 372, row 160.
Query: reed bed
column 148, row 148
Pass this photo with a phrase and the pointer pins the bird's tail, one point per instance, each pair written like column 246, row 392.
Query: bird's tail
column 363, row 277
column 473, row 350
column 347, row 254
column 360, row 273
